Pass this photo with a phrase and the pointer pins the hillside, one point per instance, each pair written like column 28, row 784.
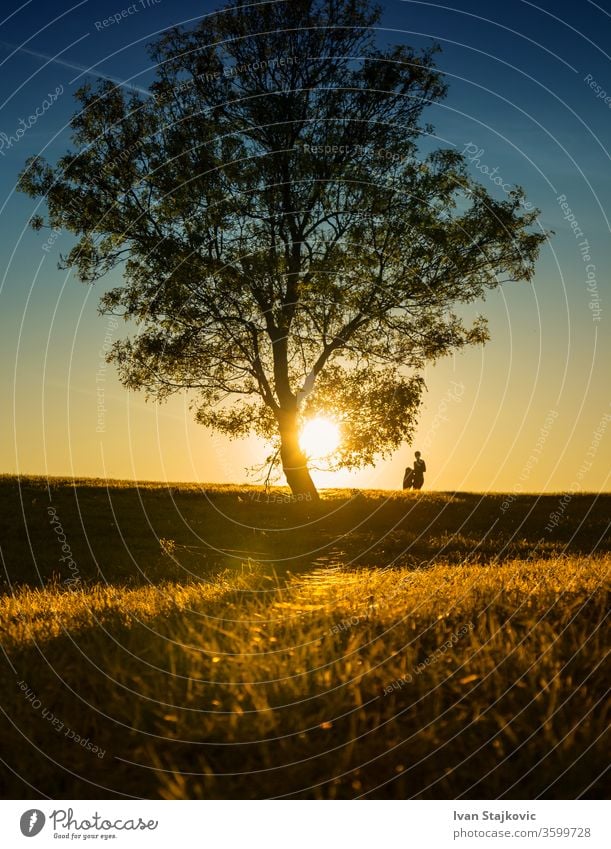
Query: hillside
column 384, row 645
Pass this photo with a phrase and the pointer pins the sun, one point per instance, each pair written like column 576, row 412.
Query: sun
column 319, row 437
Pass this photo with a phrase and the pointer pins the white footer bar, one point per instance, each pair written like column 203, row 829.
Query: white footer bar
column 305, row 824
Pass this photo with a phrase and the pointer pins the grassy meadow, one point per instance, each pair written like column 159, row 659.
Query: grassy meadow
column 220, row 642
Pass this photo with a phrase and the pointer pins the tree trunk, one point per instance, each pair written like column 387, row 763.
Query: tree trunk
column 294, row 461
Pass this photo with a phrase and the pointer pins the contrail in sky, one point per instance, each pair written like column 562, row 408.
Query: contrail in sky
column 73, row 66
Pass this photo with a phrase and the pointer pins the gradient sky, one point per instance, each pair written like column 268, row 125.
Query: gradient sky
column 524, row 413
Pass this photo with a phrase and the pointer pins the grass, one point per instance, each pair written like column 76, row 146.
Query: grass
column 387, row 645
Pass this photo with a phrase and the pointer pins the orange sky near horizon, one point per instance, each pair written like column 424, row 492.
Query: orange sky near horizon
column 498, row 418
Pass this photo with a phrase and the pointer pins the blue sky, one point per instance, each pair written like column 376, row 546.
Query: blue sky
column 523, row 94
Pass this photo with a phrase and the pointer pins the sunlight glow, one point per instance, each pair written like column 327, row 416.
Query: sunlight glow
column 319, row 437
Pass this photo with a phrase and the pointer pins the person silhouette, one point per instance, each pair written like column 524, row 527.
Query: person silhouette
column 408, row 478
column 419, row 470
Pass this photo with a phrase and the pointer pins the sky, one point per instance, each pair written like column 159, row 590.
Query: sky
column 529, row 103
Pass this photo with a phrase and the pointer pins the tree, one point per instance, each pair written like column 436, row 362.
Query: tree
column 286, row 245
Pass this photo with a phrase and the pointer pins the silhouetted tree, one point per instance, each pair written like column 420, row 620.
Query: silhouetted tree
column 286, row 246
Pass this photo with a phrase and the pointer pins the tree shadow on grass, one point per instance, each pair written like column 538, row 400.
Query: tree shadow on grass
column 128, row 535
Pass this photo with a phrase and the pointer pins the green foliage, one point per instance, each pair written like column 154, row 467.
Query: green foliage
column 277, row 222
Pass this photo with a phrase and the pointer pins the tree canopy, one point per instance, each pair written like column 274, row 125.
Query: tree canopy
column 289, row 238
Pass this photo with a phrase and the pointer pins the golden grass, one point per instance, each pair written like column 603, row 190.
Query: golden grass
column 334, row 684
